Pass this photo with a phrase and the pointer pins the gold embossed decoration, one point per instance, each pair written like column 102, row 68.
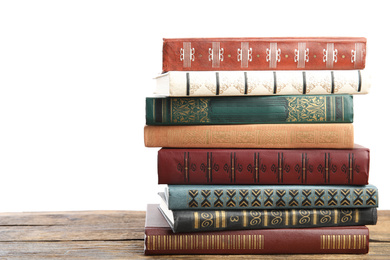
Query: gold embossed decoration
column 190, row 110
column 309, row 109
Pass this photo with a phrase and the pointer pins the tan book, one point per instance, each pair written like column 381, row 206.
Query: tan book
column 335, row 136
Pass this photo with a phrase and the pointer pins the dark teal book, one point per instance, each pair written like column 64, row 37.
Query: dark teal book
column 249, row 110
column 196, row 197
column 221, row 220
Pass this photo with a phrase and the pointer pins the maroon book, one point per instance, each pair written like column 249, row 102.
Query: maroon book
column 160, row 240
column 289, row 53
column 264, row 166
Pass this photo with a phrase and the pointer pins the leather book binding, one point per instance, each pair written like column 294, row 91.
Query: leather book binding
column 320, row 135
column 262, row 82
column 289, row 53
column 249, row 110
column 264, row 166
column 200, row 197
column 160, row 239
column 218, row 220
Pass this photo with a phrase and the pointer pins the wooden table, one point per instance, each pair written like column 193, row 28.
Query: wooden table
column 119, row 235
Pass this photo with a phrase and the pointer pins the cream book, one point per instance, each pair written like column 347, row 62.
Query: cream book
column 258, row 83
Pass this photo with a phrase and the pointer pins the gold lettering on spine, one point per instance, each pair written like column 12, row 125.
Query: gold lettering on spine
column 196, row 220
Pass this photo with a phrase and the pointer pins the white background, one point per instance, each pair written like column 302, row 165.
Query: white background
column 74, row 76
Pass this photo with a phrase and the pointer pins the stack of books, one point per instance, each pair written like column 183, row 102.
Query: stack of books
column 258, row 148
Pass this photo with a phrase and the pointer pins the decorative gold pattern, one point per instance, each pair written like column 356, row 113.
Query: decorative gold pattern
column 204, row 242
column 189, row 110
column 343, row 241
column 306, row 109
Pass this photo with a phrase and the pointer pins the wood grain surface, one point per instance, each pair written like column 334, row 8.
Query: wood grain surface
column 119, row 235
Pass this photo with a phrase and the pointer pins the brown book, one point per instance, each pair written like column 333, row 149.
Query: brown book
column 281, row 53
column 336, row 136
column 160, row 239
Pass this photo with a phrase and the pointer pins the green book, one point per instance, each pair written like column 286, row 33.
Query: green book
column 249, row 110
column 218, row 220
column 199, row 197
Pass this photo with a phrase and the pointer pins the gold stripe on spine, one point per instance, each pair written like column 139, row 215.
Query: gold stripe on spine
column 356, row 215
column 314, row 217
column 245, row 220
column 217, row 219
column 265, row 218
column 287, row 216
column 196, row 220
column 223, row 216
column 336, row 211
column 364, row 241
column 294, row 217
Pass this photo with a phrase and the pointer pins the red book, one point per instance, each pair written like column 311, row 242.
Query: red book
column 305, row 53
column 160, row 240
column 264, row 166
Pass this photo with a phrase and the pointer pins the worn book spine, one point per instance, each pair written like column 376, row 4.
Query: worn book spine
column 160, row 240
column 308, row 53
column 259, row 83
column 212, row 220
column 195, row 197
column 264, row 166
column 327, row 135
column 249, row 110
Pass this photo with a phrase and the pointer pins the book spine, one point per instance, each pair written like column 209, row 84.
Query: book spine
column 264, row 166
column 335, row 136
column 264, row 54
column 331, row 240
column 250, row 83
column 249, row 110
column 210, row 220
column 195, row 197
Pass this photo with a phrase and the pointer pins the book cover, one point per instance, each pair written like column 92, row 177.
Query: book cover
column 220, row 220
column 160, row 239
column 260, row 83
column 326, row 135
column 199, row 197
column 249, row 110
column 264, row 166
column 282, row 53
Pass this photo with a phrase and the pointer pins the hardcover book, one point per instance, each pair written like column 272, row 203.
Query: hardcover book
column 249, row 110
column 327, row 135
column 219, row 220
column 259, row 83
column 199, row 197
column 160, row 239
column 264, row 166
column 288, row 53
